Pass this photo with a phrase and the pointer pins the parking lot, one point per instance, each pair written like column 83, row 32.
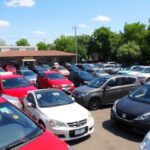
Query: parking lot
column 107, row 136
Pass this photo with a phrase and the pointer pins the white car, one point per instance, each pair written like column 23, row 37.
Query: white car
column 145, row 145
column 57, row 112
column 144, row 76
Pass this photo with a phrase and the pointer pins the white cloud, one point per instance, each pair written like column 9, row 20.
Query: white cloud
column 4, row 24
column 20, row 3
column 81, row 26
column 101, row 19
column 39, row 33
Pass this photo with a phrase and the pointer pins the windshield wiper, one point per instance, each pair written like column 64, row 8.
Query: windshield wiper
column 20, row 142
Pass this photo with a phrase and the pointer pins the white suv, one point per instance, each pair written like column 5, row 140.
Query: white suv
column 57, row 112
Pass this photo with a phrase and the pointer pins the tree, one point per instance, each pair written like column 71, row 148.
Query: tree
column 42, row 46
column 100, row 43
column 22, row 42
column 129, row 53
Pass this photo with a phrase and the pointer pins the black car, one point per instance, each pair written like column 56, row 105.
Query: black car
column 104, row 90
column 80, row 77
column 133, row 111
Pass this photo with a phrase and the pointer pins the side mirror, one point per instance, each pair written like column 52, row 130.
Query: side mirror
column 31, row 105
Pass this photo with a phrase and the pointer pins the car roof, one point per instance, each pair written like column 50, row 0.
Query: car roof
column 2, row 100
column 9, row 76
column 50, row 72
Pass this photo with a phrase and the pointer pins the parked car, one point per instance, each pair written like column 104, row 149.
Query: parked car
column 15, row 85
column 14, row 100
column 145, row 145
column 18, row 131
column 23, row 68
column 57, row 112
column 53, row 79
column 136, row 71
column 128, row 70
column 96, row 72
column 29, row 75
column 104, row 90
column 46, row 67
column 37, row 69
column 80, row 77
column 133, row 111
column 61, row 70
column 10, row 68
column 144, row 76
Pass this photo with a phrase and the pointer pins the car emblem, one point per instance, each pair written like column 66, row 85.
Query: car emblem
column 124, row 115
column 78, row 124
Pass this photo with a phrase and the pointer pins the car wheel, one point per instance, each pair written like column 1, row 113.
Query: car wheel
column 94, row 103
column 148, row 80
column 42, row 124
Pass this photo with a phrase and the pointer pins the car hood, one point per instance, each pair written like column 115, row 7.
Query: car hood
column 60, row 81
column 123, row 72
column 45, row 141
column 18, row 92
column 133, row 73
column 132, row 107
column 85, row 89
column 66, row 113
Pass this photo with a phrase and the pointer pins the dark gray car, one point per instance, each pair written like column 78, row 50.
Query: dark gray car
column 104, row 90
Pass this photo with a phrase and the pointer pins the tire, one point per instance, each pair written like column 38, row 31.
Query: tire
column 42, row 124
column 94, row 103
column 148, row 80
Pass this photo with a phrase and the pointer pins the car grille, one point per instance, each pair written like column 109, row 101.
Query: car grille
column 77, row 123
column 125, row 115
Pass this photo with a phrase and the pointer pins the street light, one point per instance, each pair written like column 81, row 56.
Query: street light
column 76, row 48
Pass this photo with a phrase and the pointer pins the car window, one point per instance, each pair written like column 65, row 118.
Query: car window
column 112, row 83
column 31, row 99
column 55, row 76
column 15, row 127
column 128, row 80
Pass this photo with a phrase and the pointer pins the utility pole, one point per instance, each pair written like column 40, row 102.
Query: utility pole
column 76, row 45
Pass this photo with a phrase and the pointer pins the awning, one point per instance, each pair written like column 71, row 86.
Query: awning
column 28, row 60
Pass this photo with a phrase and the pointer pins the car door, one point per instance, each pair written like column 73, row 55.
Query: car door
column 111, row 91
column 128, row 84
column 42, row 80
column 32, row 110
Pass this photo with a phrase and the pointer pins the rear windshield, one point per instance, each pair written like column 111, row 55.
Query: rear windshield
column 55, row 76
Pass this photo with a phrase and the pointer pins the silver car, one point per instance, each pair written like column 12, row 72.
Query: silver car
column 104, row 90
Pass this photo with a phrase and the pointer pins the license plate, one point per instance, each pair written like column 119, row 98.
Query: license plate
column 79, row 131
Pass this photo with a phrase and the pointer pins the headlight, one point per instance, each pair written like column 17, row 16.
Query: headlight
column 145, row 145
column 144, row 117
column 114, row 106
column 55, row 86
column 90, row 117
column 84, row 94
column 55, row 123
column 69, row 147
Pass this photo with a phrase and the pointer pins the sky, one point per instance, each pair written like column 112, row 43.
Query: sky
column 46, row 20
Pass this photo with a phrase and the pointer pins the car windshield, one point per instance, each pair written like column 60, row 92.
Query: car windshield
column 97, row 82
column 141, row 94
column 85, row 75
column 46, row 67
column 15, row 127
column 28, row 73
column 55, row 76
column 52, row 98
column 98, row 71
column 2, row 70
column 10, row 83
column 138, row 69
column 61, row 68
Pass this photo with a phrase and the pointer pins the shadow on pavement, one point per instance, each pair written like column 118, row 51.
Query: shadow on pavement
column 77, row 141
column 121, row 132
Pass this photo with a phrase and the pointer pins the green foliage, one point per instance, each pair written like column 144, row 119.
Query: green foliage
column 42, row 46
column 22, row 42
column 65, row 43
column 129, row 53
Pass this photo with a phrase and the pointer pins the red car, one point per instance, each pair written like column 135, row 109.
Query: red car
column 20, row 132
column 15, row 85
column 11, row 68
column 53, row 79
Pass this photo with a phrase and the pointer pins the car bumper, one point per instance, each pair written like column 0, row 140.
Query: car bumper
column 69, row 133
column 138, row 127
